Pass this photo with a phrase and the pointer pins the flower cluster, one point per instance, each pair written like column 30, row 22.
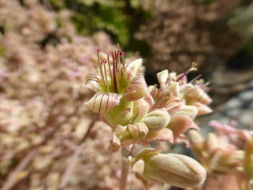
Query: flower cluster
column 227, row 151
column 139, row 115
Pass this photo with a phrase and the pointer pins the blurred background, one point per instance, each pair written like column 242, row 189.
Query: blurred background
column 48, row 140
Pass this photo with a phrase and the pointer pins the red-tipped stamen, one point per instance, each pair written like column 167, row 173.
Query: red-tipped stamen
column 114, row 62
column 100, row 62
column 192, row 68
column 109, row 65
column 105, row 72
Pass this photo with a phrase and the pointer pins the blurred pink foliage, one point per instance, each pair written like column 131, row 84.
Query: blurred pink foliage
column 44, row 126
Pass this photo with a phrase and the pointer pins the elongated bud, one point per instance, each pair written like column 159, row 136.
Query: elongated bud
column 190, row 111
column 196, row 141
column 133, row 130
column 133, row 133
column 203, row 109
column 195, row 137
column 180, row 124
column 102, row 102
column 161, row 135
column 136, row 89
column 138, row 130
column 143, row 129
column 157, row 119
column 196, row 93
column 175, row 169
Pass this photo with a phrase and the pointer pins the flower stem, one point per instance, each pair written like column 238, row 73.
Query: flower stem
column 124, row 174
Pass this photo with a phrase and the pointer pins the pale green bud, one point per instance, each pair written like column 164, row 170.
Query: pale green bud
column 190, row 111
column 175, row 169
column 157, row 119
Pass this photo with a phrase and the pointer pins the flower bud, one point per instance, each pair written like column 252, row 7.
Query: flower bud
column 157, row 119
column 195, row 138
column 174, row 169
column 202, row 108
column 134, row 131
column 143, row 129
column 180, row 124
column 190, row 111
column 161, row 135
column 212, row 142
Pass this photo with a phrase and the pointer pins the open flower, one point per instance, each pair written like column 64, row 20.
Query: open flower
column 114, row 75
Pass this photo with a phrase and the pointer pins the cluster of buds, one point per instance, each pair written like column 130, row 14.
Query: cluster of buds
column 228, row 150
column 139, row 114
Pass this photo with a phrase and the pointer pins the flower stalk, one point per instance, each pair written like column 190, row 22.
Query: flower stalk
column 124, row 174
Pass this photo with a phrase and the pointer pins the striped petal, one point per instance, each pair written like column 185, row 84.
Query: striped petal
column 102, row 102
column 136, row 89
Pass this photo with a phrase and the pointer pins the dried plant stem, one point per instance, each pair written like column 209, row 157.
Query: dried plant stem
column 13, row 175
column 12, row 178
column 124, row 174
column 74, row 159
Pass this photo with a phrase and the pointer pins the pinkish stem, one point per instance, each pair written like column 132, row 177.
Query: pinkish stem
column 124, row 174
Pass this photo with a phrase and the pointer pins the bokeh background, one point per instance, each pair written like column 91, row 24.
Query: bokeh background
column 47, row 47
